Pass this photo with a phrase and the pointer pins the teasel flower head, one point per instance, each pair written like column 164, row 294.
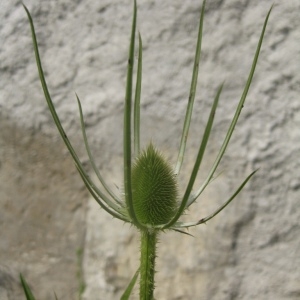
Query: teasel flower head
column 151, row 200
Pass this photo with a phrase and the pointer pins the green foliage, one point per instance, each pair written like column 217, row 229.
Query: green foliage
column 81, row 283
column 26, row 288
column 130, row 287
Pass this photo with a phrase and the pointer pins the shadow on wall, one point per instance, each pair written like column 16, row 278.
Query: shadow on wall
column 42, row 214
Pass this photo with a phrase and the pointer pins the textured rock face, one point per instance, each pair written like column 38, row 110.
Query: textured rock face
column 251, row 250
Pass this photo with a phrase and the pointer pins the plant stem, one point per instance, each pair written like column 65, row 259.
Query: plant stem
column 147, row 268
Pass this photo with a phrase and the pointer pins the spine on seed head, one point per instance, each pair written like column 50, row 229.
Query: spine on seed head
column 154, row 188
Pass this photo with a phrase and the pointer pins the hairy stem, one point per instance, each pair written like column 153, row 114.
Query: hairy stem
column 147, row 268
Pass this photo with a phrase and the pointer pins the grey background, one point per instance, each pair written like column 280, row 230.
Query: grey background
column 251, row 250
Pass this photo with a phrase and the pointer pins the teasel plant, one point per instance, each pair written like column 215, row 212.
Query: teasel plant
column 151, row 201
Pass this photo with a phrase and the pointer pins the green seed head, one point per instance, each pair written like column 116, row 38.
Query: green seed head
column 154, row 188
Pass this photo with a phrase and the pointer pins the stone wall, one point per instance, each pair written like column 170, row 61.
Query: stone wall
column 252, row 249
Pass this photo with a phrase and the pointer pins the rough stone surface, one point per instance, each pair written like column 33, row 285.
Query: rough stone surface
column 252, row 249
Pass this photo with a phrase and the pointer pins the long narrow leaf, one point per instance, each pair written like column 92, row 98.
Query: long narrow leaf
column 109, row 191
column 180, row 231
column 26, row 288
column 46, row 91
column 53, row 111
column 236, row 116
column 129, row 289
column 137, row 100
column 98, row 198
column 127, row 124
column 192, row 94
column 204, row 220
column 198, row 160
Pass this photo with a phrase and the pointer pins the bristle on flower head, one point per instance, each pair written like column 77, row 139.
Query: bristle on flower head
column 154, row 188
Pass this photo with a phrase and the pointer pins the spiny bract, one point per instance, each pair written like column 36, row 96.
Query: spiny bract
column 154, row 188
